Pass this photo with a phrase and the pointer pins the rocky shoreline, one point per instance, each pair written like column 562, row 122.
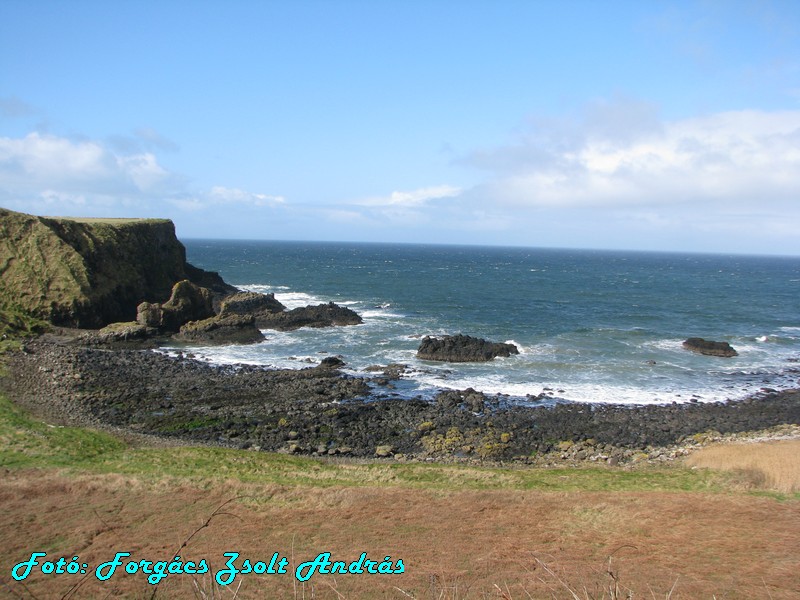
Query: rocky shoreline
column 323, row 412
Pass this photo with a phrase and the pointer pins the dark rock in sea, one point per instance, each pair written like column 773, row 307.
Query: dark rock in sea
column 232, row 329
column 710, row 348
column 250, row 303
column 392, row 371
column 332, row 362
column 321, row 315
column 188, row 302
column 462, row 348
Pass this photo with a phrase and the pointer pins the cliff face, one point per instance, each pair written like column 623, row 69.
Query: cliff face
column 91, row 272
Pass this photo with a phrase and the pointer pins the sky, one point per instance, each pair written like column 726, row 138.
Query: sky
column 651, row 125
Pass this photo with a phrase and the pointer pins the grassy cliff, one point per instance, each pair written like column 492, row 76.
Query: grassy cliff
column 88, row 272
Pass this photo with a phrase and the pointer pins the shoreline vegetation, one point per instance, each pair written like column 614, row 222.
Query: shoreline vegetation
column 103, row 442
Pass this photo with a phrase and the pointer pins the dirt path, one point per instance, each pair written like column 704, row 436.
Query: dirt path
column 454, row 544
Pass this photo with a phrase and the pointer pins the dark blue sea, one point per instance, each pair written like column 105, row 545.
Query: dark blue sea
column 591, row 326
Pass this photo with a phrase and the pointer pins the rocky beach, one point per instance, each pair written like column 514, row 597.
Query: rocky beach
column 320, row 411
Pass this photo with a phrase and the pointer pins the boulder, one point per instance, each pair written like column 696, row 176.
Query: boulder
column 321, row 315
column 149, row 314
column 250, row 303
column 332, row 362
column 233, row 329
column 710, row 348
column 188, row 302
column 462, row 348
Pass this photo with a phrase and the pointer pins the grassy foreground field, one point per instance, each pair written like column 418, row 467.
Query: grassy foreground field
column 461, row 532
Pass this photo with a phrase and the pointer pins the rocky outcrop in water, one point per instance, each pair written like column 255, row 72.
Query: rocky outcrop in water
column 710, row 348
column 462, row 348
column 321, row 315
column 250, row 303
column 219, row 330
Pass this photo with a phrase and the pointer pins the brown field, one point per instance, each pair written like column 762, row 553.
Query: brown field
column 773, row 465
column 467, row 543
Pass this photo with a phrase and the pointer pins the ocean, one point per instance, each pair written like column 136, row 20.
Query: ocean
column 591, row 326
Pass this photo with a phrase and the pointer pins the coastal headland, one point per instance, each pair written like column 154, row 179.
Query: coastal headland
column 129, row 280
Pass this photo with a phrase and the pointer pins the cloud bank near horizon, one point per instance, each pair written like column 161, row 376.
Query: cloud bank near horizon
column 741, row 157
column 729, row 172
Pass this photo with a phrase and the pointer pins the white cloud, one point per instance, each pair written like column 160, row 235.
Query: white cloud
column 57, row 175
column 35, row 163
column 397, row 209
column 223, row 195
column 744, row 157
column 415, row 198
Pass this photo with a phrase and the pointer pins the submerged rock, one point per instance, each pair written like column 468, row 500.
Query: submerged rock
column 462, row 348
column 710, row 348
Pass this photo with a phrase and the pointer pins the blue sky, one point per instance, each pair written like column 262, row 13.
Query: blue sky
column 636, row 125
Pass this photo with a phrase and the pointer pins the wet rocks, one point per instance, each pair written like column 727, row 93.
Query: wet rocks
column 462, row 348
column 321, row 315
column 710, row 348
column 219, row 330
column 250, row 303
column 324, row 411
column 331, row 362
column 468, row 399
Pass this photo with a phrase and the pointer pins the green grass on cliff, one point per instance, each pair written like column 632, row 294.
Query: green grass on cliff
column 26, row 442
column 108, row 221
column 16, row 325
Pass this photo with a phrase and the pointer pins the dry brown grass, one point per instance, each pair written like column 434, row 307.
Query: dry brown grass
column 456, row 544
column 769, row 465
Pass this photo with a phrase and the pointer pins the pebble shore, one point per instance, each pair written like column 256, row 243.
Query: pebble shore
column 323, row 412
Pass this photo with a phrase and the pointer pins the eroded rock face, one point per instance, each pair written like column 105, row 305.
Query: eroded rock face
column 462, row 348
column 710, row 348
column 187, row 302
column 91, row 272
column 219, row 330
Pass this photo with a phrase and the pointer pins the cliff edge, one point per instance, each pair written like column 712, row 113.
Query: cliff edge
column 91, row 272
